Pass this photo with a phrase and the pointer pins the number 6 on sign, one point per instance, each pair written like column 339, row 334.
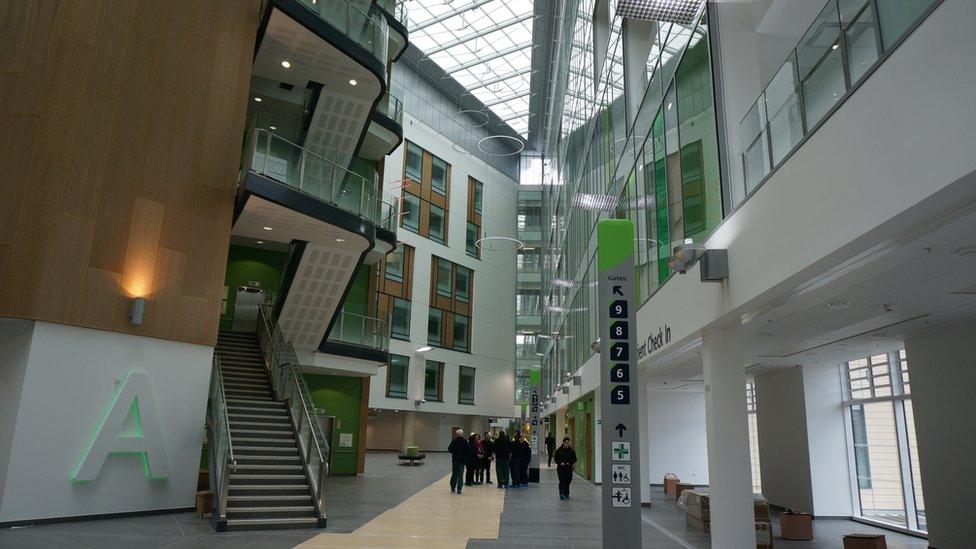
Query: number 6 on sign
column 620, row 372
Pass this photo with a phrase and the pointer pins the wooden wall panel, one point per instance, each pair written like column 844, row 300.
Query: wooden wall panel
column 120, row 133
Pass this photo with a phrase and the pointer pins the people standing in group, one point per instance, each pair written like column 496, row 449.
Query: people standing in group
column 521, row 455
column 473, row 462
column 503, row 454
column 550, row 446
column 487, row 447
column 459, row 455
column 565, row 459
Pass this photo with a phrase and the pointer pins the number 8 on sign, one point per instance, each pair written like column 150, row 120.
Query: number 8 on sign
column 619, row 330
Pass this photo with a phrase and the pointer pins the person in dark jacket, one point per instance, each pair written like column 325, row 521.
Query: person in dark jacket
column 488, row 448
column 459, row 453
column 473, row 461
column 521, row 454
column 565, row 459
column 550, row 446
column 503, row 453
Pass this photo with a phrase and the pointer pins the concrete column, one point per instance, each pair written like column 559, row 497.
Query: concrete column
column 942, row 381
column 407, row 436
column 783, row 447
column 830, row 474
column 476, row 424
column 727, row 431
column 644, row 437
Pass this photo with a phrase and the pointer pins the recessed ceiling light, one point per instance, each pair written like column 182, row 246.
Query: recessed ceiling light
column 424, row 349
column 267, row 228
column 353, row 82
column 286, row 64
column 273, row 128
column 260, row 242
column 258, row 99
column 340, row 240
column 837, row 305
column 835, row 46
column 968, row 251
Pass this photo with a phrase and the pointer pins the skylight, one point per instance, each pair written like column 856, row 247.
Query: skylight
column 486, row 45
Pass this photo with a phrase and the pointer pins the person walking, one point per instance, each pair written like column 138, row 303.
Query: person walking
column 521, row 454
column 459, row 453
column 473, row 461
column 488, row 447
column 565, row 459
column 550, row 446
column 526, row 452
column 503, row 453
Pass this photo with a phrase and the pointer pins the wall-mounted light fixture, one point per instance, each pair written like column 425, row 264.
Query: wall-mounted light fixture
column 714, row 263
column 138, row 310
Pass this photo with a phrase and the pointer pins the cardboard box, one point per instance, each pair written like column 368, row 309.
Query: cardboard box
column 204, row 503
column 764, row 535
column 679, row 487
column 671, row 484
column 698, row 524
column 796, row 526
column 865, row 541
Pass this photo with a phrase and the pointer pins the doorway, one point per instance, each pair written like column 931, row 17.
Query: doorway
column 589, row 447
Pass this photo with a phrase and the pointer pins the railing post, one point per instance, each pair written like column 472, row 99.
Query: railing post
column 267, row 153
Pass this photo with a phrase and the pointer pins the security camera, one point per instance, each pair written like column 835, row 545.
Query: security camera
column 420, row 401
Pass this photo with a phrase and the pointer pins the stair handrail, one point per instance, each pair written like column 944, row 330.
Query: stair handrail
column 221, row 448
column 288, row 383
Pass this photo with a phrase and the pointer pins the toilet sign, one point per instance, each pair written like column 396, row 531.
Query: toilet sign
column 618, row 383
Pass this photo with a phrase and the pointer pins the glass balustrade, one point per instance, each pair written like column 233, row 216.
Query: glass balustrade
column 316, row 176
column 365, row 331
column 369, row 30
column 846, row 41
column 397, row 8
column 391, row 107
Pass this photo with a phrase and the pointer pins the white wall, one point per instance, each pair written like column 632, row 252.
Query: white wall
column 943, row 374
column 677, row 444
column 783, row 450
column 432, row 431
column 493, row 315
column 830, row 473
column 15, row 337
column 71, row 377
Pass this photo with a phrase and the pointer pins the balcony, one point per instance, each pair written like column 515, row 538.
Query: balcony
column 396, row 15
column 391, row 107
column 369, row 30
column 317, row 177
column 841, row 49
column 385, row 129
column 361, row 331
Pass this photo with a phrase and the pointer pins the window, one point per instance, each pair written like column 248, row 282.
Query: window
column 462, row 284
column 411, row 212
column 471, row 236
column 882, row 427
column 444, row 277
column 478, row 196
column 438, row 175
column 400, row 319
column 435, row 320
column 466, row 385
column 436, row 224
column 433, row 380
column 415, row 162
column 394, row 265
column 753, row 437
column 396, row 376
column 460, row 333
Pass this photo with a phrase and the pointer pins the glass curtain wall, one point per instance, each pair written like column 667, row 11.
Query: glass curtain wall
column 660, row 170
column 882, row 427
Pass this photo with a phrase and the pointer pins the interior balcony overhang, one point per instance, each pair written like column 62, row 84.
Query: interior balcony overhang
column 385, row 134
column 341, row 58
column 396, row 17
column 335, row 364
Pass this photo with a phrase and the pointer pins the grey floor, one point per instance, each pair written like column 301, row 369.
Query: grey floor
column 533, row 517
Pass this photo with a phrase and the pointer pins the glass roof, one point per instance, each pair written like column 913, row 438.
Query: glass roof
column 486, row 45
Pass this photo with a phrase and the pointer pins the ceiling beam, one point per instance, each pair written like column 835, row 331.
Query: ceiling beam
column 500, row 100
column 445, row 16
column 479, row 34
column 500, row 78
column 477, row 61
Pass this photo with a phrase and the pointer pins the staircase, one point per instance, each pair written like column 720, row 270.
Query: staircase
column 269, row 489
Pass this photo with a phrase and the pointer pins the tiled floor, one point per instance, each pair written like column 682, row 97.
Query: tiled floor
column 531, row 517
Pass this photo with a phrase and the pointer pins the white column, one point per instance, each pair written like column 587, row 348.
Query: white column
column 733, row 522
column 407, row 436
column 644, row 439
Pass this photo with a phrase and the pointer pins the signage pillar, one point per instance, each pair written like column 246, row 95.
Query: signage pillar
column 620, row 390
column 536, row 426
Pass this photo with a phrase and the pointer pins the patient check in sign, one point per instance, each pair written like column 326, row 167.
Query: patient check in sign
column 618, row 381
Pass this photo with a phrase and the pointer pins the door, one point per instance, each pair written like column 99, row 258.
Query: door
column 588, row 442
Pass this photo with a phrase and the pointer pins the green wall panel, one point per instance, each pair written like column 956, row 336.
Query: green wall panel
column 578, row 411
column 340, row 396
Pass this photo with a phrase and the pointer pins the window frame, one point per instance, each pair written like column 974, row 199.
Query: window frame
column 440, row 326
column 403, row 218
column 440, row 380
column 442, row 238
column 406, row 162
column 389, row 376
column 394, row 334
column 461, row 371
column 467, row 333
column 443, row 190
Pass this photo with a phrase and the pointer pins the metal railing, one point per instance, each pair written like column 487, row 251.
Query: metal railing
column 221, row 449
column 289, row 385
column 391, row 107
column 389, row 216
column 313, row 175
column 397, row 8
column 845, row 43
column 365, row 331
column 369, row 30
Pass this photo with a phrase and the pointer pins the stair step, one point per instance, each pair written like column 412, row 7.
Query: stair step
column 272, row 523
column 267, row 452
column 288, row 489
column 246, row 393
column 259, row 417
column 245, row 375
column 250, row 459
column 252, row 371
column 261, row 406
column 268, row 469
column 266, row 478
column 234, row 501
column 255, row 412
column 238, row 426
column 273, row 510
column 256, row 385
column 263, row 442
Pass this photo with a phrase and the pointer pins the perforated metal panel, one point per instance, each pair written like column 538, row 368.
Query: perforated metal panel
column 670, row 11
